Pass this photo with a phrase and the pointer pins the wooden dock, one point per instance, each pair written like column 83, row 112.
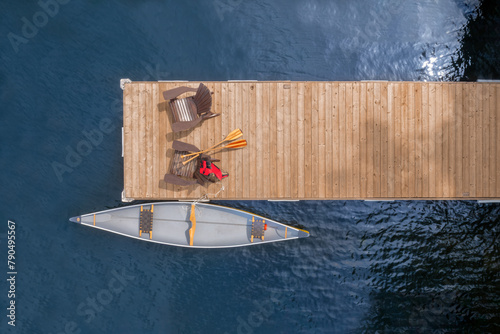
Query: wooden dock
column 325, row 140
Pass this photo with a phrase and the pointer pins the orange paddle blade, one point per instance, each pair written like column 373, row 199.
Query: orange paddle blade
column 237, row 144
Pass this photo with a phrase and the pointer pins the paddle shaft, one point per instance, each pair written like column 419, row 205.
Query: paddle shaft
column 215, row 150
column 235, row 134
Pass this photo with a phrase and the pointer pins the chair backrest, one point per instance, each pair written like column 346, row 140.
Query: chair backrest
column 203, row 100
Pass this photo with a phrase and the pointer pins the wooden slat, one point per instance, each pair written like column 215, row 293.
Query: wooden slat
column 417, row 90
column 321, row 128
column 343, row 168
column 287, row 139
column 294, row 143
column 377, row 141
column 127, row 139
column 478, row 132
column 457, row 138
column 138, row 143
column 233, row 104
column 433, row 142
column 449, row 142
column 485, row 132
column 226, row 127
column 356, row 161
column 328, row 159
column 405, row 163
column 425, row 193
column 266, row 130
column 370, row 147
column 308, row 157
column 301, row 141
column 473, row 138
column 283, row 170
column 314, row 138
column 335, row 166
column 411, row 133
column 493, row 138
column 391, row 141
column 497, row 140
column 239, row 121
column 349, row 145
column 438, row 132
column 466, row 188
column 217, row 126
column 259, row 140
column 398, row 168
column 273, row 133
column 384, row 140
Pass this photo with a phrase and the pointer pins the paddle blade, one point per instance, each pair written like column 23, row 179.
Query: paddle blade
column 237, row 144
column 235, row 134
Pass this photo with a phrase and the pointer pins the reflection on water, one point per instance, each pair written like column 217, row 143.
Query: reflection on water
column 478, row 57
column 437, row 269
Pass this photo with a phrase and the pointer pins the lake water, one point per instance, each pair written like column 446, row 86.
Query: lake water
column 391, row 267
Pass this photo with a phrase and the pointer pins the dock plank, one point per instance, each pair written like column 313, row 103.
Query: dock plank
column 370, row 144
column 336, row 163
column 457, row 138
column 496, row 153
column 363, row 141
column 493, row 138
column 294, row 142
column 377, row 141
column 300, row 141
column 417, row 89
column 308, row 156
column 384, row 139
column 390, row 141
column 343, row 170
column 328, row 160
column 356, row 161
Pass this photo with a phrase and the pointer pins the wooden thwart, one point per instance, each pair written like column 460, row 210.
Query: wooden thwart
column 192, row 218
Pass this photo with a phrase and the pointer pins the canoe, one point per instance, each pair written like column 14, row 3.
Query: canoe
column 184, row 224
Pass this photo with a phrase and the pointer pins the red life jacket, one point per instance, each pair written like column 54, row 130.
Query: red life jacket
column 211, row 168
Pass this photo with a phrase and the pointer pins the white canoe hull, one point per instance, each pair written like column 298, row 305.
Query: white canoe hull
column 216, row 226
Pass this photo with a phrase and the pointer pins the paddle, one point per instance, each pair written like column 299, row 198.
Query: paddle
column 236, row 144
column 235, row 134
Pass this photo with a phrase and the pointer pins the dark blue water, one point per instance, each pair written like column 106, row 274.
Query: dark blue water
column 391, row 267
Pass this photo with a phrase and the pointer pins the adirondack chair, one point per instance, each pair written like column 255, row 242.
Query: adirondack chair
column 188, row 174
column 189, row 111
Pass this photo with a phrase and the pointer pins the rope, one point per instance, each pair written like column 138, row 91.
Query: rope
column 207, row 196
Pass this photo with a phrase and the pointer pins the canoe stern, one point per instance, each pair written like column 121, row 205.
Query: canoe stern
column 303, row 234
column 76, row 219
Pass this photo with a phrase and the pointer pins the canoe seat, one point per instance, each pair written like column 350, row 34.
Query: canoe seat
column 258, row 228
column 146, row 221
column 189, row 111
